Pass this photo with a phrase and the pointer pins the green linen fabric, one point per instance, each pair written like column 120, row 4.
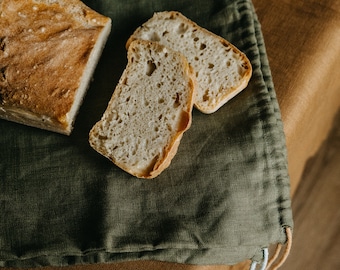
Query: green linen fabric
column 223, row 199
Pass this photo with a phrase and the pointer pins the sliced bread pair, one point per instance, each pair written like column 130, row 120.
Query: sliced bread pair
column 221, row 69
column 149, row 111
column 151, row 106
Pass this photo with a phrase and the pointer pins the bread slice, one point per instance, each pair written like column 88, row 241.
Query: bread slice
column 48, row 52
column 149, row 111
column 222, row 70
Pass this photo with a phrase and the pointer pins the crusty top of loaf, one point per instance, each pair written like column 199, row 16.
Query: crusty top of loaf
column 44, row 48
column 149, row 111
column 222, row 70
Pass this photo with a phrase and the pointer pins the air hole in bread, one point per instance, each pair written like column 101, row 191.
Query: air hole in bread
column 172, row 16
column 196, row 39
column 240, row 70
column 3, row 74
column 182, row 28
column 2, row 44
column 203, row 46
column 113, row 116
column 150, row 67
column 154, row 37
column 169, row 127
column 210, row 65
column 165, row 33
column 245, row 66
column 177, row 102
column 102, row 137
column 196, row 58
column 225, row 44
column 206, row 95
column 161, row 100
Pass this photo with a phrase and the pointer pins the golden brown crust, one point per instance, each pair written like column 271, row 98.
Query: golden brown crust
column 183, row 125
column 44, row 48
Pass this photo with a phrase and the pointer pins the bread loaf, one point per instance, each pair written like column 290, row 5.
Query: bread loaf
column 48, row 52
column 149, row 111
column 222, row 70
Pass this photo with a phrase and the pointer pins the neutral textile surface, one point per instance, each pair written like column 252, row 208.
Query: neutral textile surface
column 224, row 197
column 303, row 47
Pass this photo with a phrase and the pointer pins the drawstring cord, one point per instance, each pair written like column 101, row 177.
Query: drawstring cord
column 267, row 263
column 265, row 260
column 285, row 253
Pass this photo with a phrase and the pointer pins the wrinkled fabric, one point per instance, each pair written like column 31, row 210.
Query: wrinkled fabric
column 223, row 199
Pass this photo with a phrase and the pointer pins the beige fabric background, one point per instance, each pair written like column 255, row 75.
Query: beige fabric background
column 303, row 46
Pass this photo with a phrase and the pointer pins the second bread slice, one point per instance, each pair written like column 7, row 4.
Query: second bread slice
column 221, row 69
column 149, row 111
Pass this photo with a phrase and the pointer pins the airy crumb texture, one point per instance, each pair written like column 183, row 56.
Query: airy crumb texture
column 48, row 52
column 222, row 70
column 149, row 111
